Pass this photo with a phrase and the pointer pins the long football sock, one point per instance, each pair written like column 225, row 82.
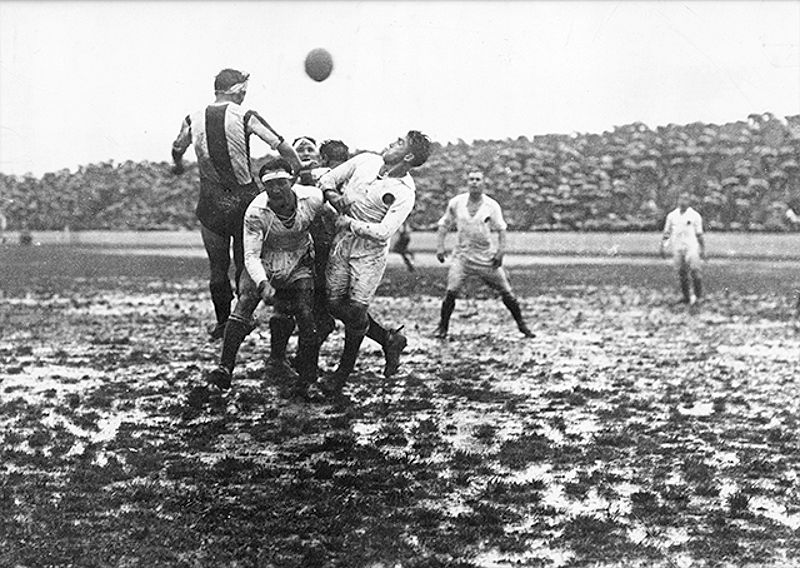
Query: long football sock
column 698, row 285
column 686, row 286
column 377, row 332
column 235, row 332
column 448, row 305
column 352, row 344
column 512, row 304
column 280, row 330
column 221, row 297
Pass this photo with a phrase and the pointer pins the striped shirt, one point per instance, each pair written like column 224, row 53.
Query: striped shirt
column 221, row 137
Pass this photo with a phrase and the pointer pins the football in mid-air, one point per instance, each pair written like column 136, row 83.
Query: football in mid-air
column 319, row 64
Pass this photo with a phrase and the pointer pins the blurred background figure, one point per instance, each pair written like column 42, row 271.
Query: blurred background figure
column 683, row 234
column 401, row 246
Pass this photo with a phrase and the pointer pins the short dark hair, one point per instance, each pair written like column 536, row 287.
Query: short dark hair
column 275, row 164
column 334, row 150
column 227, row 78
column 420, row 146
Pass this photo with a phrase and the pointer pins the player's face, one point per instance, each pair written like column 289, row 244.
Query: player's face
column 683, row 202
column 395, row 152
column 475, row 182
column 307, row 153
column 278, row 188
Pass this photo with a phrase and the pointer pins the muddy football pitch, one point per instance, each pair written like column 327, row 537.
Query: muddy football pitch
column 630, row 431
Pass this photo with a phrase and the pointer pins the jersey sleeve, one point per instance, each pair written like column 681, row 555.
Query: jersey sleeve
column 667, row 232
column 496, row 220
column 395, row 216
column 698, row 225
column 255, row 124
column 254, row 233
column 335, row 178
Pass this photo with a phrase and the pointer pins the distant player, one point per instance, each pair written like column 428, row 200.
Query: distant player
column 683, row 233
column 279, row 261
column 401, row 246
column 376, row 196
column 793, row 216
column 221, row 137
column 475, row 216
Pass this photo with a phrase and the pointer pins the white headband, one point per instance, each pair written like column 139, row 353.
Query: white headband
column 234, row 89
column 275, row 174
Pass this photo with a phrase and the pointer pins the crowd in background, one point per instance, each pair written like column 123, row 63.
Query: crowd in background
column 743, row 175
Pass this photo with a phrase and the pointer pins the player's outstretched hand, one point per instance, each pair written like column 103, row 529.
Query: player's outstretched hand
column 440, row 255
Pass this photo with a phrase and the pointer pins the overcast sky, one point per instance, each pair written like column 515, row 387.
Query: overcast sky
column 84, row 82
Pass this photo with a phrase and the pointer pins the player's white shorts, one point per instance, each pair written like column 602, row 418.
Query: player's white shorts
column 461, row 269
column 354, row 277
column 689, row 257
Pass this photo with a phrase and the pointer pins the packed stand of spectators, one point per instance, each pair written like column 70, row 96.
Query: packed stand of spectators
column 742, row 175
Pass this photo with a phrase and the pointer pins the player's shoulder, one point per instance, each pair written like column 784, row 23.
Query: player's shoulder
column 458, row 199
column 258, row 202
column 311, row 192
column 491, row 202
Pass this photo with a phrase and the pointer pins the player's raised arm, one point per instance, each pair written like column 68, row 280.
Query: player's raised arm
column 331, row 181
column 258, row 126
column 180, row 145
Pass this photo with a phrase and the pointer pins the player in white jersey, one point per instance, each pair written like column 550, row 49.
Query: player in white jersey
column 279, row 256
column 221, row 134
column 377, row 194
column 475, row 216
column 683, row 233
column 317, row 162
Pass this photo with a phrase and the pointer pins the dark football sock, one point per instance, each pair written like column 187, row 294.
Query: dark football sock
column 221, row 296
column 377, row 332
column 235, row 332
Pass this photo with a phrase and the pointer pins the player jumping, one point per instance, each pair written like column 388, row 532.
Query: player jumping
column 475, row 216
column 220, row 134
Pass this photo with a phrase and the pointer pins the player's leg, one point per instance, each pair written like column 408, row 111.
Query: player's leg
column 239, row 325
column 325, row 322
column 308, row 342
column 497, row 278
column 218, row 251
column 693, row 268
column 683, row 275
column 455, row 281
column 393, row 341
column 365, row 274
column 281, row 326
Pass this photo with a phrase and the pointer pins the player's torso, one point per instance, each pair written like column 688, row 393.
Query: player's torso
column 294, row 235
column 220, row 138
column 370, row 196
column 684, row 228
column 474, row 224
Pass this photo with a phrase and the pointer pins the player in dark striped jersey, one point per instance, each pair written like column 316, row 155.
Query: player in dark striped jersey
column 221, row 134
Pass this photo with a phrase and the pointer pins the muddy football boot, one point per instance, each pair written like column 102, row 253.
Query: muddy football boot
column 525, row 330
column 441, row 332
column 219, row 377
column 395, row 343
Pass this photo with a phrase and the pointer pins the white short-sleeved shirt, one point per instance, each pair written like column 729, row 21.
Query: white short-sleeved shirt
column 474, row 231
column 379, row 205
column 272, row 250
column 682, row 229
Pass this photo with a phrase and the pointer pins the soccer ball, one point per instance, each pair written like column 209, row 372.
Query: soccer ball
column 319, row 64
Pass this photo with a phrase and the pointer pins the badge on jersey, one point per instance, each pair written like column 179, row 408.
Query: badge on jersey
column 387, row 199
